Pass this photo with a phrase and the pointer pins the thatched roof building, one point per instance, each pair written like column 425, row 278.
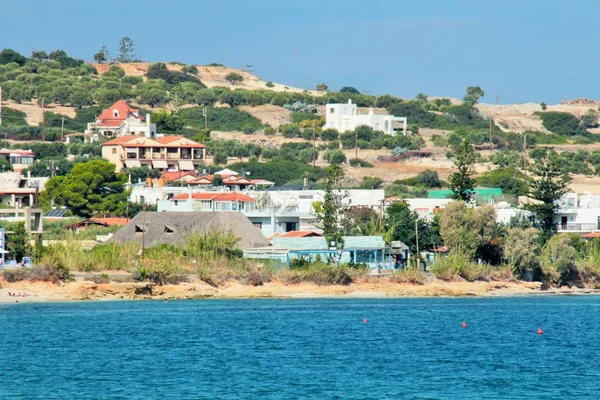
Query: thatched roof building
column 171, row 227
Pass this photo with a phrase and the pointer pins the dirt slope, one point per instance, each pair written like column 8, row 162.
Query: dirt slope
column 211, row 76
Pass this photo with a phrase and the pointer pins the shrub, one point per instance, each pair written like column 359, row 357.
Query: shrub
column 357, row 162
column 329, row 134
column 269, row 84
column 370, row 182
column 335, row 157
column 408, row 276
column 257, row 275
column 318, row 273
column 269, row 131
column 290, row 131
column 562, row 123
column 557, row 261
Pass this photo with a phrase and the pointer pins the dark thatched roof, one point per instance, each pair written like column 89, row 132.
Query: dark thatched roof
column 171, row 228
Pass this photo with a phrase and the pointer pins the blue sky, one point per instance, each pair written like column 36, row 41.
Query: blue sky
column 520, row 50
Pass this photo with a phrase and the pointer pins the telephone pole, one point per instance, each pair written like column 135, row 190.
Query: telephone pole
column 62, row 129
column 205, row 115
column 43, row 122
column 314, row 142
column 355, row 143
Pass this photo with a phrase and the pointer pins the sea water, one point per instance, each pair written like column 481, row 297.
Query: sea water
column 302, row 349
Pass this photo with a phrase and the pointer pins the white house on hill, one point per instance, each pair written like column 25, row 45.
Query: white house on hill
column 346, row 117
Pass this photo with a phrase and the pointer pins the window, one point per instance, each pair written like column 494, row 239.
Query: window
column 258, row 225
column 114, row 150
column 386, row 124
column 250, row 206
column 116, row 113
column 169, row 229
column 234, row 206
column 345, row 110
column 205, row 205
column 332, row 110
column 305, row 197
column 139, row 229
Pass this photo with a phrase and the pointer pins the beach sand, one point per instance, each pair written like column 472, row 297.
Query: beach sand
column 82, row 289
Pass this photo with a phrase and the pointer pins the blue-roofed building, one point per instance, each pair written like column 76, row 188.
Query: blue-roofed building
column 369, row 250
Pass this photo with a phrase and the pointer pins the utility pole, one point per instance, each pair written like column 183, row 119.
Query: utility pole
column 205, row 115
column 417, row 240
column 491, row 121
column 144, row 232
column 525, row 154
column 314, row 142
column 43, row 122
column 355, row 144
column 62, row 129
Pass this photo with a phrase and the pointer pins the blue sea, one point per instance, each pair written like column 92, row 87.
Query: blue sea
column 303, row 349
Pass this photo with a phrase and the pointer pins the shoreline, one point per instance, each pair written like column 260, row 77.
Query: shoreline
column 84, row 290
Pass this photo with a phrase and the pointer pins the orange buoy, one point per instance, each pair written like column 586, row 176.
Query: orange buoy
column 464, row 324
column 364, row 320
column 540, row 331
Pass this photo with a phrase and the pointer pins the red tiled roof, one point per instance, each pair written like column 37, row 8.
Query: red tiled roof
column 234, row 196
column 174, row 175
column 110, row 221
column 111, row 123
column 300, row 234
column 168, row 139
column 124, row 111
column 121, row 140
column 591, row 235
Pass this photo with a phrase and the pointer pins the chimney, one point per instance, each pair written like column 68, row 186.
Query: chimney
column 370, row 110
column 305, row 182
column 349, row 101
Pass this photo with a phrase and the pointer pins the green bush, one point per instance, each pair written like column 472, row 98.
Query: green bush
column 561, row 123
column 357, row 162
column 335, row 157
column 221, row 119
column 318, row 273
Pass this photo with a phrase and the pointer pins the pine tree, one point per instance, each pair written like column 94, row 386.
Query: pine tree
column 18, row 243
column 461, row 182
column 126, row 50
column 550, row 185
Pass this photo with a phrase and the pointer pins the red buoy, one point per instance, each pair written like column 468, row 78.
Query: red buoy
column 540, row 331
column 364, row 320
column 464, row 324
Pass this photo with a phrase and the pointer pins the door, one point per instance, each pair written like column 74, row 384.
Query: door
column 563, row 223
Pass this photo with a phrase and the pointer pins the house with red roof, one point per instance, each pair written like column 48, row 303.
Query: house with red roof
column 214, row 201
column 168, row 153
column 120, row 120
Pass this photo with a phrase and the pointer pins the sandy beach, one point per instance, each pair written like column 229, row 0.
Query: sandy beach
column 81, row 289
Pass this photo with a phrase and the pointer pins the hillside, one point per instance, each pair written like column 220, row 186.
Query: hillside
column 267, row 120
column 211, row 76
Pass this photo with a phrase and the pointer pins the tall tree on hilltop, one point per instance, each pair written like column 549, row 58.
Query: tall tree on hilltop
column 126, row 50
column 473, row 94
column 550, row 184
column 462, row 183
column 102, row 56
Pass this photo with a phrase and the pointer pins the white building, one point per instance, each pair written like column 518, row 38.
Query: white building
column 578, row 213
column 119, row 120
column 346, row 117
column 20, row 191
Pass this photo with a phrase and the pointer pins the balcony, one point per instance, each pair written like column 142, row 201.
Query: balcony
column 571, row 227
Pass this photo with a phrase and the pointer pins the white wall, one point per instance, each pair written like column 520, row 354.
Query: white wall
column 302, row 200
column 346, row 117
